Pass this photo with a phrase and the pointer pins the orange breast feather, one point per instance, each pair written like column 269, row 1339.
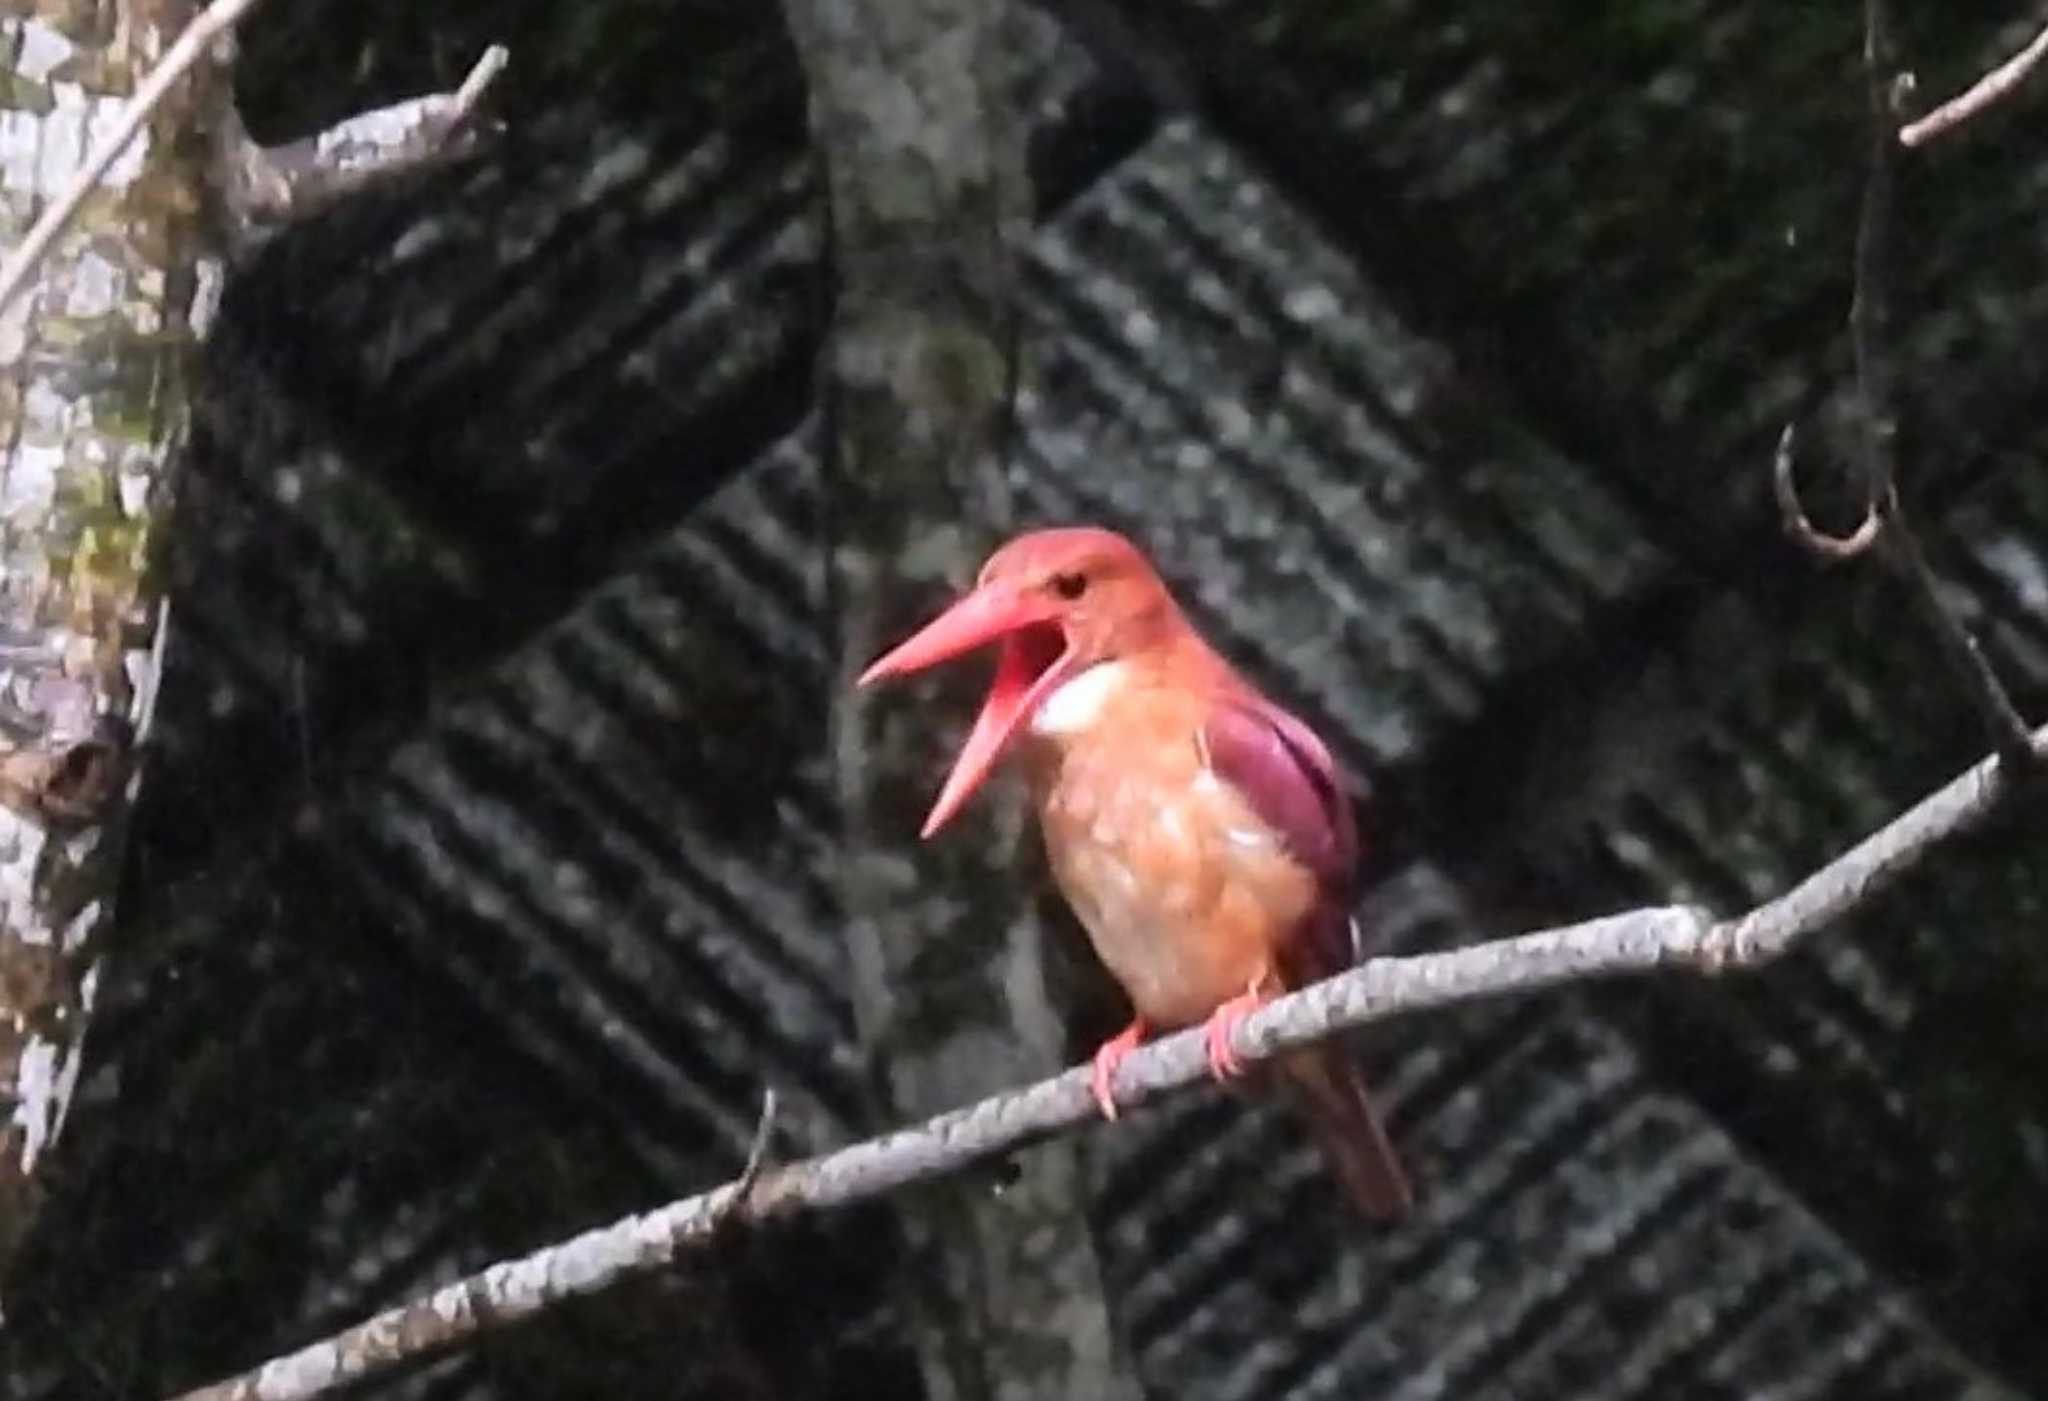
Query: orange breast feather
column 1186, row 892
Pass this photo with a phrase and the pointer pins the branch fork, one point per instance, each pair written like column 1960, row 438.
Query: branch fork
column 264, row 185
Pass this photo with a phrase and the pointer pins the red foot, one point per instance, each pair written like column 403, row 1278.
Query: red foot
column 1224, row 1063
column 1107, row 1058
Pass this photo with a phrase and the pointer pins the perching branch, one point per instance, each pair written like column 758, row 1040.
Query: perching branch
column 1635, row 942
column 1885, row 525
column 1979, row 95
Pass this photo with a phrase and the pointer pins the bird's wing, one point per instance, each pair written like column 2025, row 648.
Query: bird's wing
column 1288, row 778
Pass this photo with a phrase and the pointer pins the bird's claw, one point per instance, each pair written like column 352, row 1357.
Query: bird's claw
column 1107, row 1057
column 1224, row 1061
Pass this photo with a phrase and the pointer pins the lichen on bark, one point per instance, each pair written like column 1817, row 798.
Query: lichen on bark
column 95, row 367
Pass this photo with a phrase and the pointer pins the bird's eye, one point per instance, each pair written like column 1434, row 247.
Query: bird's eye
column 1070, row 586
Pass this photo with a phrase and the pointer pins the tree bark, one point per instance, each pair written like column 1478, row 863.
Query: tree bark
column 927, row 197
column 95, row 372
column 97, row 361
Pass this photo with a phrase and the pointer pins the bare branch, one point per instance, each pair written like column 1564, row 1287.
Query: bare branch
column 1635, row 942
column 269, row 184
column 1979, row 95
column 757, row 1158
column 210, row 24
column 1994, row 704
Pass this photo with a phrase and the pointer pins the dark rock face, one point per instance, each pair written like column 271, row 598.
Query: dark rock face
column 487, row 867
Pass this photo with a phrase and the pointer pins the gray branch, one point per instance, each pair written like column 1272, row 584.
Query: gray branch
column 1638, row 941
column 265, row 185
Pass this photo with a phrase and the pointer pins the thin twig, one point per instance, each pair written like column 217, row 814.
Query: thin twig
column 2001, row 718
column 465, row 98
column 210, row 24
column 1831, row 549
column 1869, row 321
column 1979, row 95
column 1870, row 301
column 757, row 1158
column 1635, row 942
column 1869, row 318
column 1885, row 523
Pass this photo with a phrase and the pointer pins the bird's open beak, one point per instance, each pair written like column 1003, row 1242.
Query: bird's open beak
column 1034, row 659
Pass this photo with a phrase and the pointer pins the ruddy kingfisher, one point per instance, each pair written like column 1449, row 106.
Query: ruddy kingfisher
column 1197, row 829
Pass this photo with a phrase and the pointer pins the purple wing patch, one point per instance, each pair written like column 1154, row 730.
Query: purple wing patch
column 1287, row 776
column 1289, row 779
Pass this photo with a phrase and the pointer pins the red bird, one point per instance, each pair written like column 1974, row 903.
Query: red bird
column 1197, row 829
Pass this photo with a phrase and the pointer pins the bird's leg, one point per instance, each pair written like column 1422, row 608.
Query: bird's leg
column 1224, row 1062
column 1107, row 1057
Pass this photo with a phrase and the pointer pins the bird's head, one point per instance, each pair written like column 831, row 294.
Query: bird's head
column 1059, row 602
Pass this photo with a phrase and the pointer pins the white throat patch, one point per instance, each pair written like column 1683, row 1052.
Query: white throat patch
column 1077, row 702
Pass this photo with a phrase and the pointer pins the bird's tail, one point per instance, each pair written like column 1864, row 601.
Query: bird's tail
column 1332, row 1096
